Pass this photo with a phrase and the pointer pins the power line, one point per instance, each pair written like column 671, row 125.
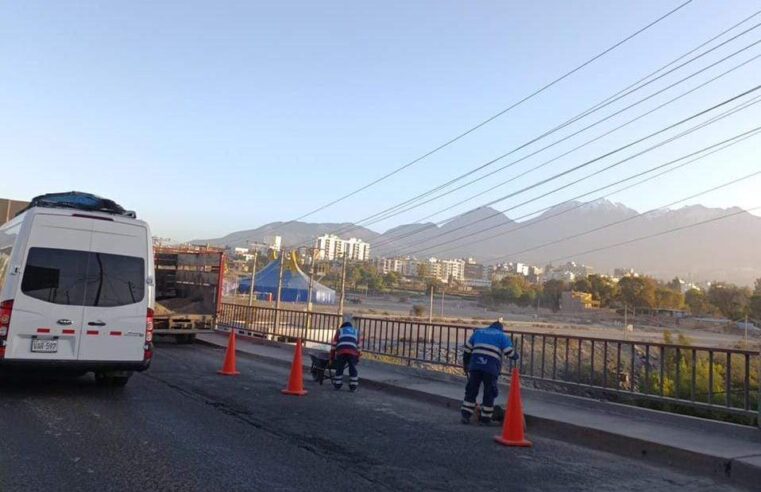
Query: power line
column 692, row 157
column 493, row 117
column 727, row 113
column 718, row 147
column 392, row 211
column 520, row 175
column 658, row 234
column 603, row 156
column 627, row 219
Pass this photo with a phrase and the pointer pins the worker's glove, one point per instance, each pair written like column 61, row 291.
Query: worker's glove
column 515, row 356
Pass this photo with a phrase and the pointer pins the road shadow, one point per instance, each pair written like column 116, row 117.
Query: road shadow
column 51, row 383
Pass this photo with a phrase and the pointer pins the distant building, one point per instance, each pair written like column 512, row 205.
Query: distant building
column 407, row 267
column 410, row 267
column 274, row 242
column 357, row 249
column 9, row 208
column 624, row 272
column 473, row 270
column 562, row 275
column 477, row 283
column 574, row 302
column 446, row 270
column 332, row 247
column 567, row 272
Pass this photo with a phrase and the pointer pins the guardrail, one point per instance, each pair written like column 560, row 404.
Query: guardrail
column 672, row 377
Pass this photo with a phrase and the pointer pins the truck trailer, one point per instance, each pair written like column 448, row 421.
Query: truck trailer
column 188, row 291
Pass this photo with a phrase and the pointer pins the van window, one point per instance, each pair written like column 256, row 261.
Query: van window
column 83, row 278
column 55, row 275
column 114, row 280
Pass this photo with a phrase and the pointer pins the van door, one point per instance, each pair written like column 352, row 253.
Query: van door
column 48, row 307
column 116, row 299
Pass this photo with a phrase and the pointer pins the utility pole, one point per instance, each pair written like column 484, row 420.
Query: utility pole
column 430, row 309
column 343, row 287
column 253, row 276
column 279, row 288
column 312, row 254
column 746, row 328
column 443, row 289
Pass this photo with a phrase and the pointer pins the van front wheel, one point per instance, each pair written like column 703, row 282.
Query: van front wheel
column 113, row 379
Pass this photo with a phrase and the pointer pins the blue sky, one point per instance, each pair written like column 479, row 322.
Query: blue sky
column 209, row 117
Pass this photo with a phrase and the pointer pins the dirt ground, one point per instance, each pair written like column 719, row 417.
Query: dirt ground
column 597, row 323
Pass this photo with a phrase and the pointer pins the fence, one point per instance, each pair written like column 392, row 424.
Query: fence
column 708, row 381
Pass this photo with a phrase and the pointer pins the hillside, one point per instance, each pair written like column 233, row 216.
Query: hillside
column 722, row 250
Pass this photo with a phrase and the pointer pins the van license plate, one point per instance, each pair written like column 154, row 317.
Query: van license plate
column 47, row 346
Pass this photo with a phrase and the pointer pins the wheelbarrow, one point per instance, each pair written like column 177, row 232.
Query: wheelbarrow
column 322, row 367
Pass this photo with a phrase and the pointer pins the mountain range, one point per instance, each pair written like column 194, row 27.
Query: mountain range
column 725, row 249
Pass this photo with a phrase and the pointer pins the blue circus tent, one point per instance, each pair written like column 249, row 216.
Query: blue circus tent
column 295, row 283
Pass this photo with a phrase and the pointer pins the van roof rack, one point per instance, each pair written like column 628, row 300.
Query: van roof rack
column 79, row 201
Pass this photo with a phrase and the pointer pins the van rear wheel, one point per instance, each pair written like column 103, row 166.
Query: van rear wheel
column 114, row 379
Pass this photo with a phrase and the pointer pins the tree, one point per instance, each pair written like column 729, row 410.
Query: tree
column 754, row 307
column 551, row 291
column 637, row 291
column 582, row 284
column 603, row 289
column 731, row 301
column 697, row 302
column 675, row 284
column 392, row 279
column 666, row 298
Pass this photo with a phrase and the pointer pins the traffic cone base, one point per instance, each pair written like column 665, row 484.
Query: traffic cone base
column 228, row 367
column 294, row 393
column 521, row 444
column 296, row 379
column 513, row 432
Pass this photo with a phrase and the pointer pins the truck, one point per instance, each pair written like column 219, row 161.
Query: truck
column 188, row 290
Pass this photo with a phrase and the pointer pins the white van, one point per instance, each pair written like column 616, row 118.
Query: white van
column 76, row 292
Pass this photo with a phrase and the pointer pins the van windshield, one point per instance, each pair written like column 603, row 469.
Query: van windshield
column 83, row 278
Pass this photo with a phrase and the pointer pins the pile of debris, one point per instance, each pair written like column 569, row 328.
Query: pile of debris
column 168, row 307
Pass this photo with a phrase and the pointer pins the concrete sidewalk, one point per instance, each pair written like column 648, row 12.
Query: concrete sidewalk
column 717, row 449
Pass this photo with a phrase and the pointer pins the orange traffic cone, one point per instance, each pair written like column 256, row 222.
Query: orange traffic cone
column 296, row 381
column 513, row 426
column 228, row 367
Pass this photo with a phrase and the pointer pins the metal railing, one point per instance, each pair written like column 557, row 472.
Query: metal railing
column 711, row 381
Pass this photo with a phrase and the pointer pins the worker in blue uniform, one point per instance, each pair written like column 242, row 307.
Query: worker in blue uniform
column 482, row 361
column 345, row 352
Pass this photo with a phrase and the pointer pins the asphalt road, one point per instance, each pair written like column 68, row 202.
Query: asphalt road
column 180, row 426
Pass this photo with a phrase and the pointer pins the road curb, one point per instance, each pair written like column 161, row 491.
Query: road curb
column 740, row 471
